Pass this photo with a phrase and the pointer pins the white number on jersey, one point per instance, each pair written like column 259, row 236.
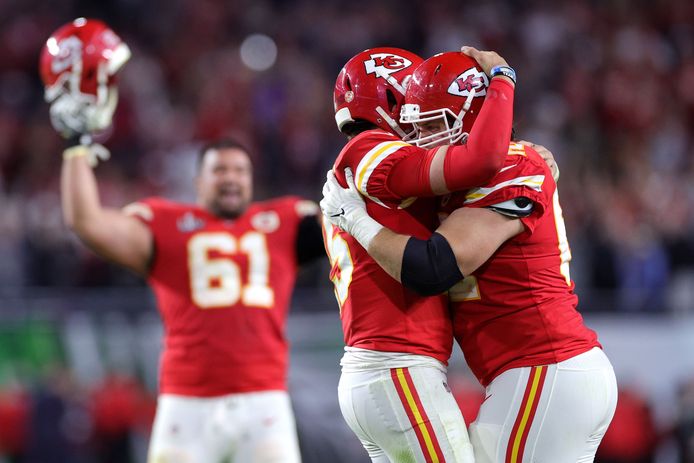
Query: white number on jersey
column 564, row 249
column 340, row 262
column 465, row 290
column 216, row 282
column 468, row 290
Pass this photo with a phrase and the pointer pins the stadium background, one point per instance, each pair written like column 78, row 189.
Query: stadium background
column 608, row 86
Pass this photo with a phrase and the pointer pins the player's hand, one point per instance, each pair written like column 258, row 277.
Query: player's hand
column 73, row 115
column 486, row 59
column 341, row 205
column 546, row 155
column 346, row 209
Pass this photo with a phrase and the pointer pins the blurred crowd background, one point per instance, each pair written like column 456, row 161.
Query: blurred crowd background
column 607, row 86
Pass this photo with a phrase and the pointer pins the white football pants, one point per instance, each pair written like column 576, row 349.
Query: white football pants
column 254, row 427
column 547, row 414
column 405, row 414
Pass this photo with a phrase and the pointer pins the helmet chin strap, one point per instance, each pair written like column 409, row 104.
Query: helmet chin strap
column 391, row 122
column 468, row 102
column 459, row 119
column 381, row 112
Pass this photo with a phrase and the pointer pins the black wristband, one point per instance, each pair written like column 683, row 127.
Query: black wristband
column 72, row 141
column 78, row 139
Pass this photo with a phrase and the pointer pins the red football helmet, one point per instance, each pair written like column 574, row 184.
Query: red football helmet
column 371, row 87
column 82, row 58
column 450, row 88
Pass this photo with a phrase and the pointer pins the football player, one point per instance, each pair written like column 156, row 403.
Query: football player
column 550, row 390
column 222, row 270
column 392, row 391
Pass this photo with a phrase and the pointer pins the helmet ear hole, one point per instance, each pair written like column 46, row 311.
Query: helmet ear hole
column 391, row 100
column 370, row 87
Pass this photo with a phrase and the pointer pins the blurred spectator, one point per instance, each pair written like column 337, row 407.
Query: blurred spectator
column 468, row 394
column 119, row 406
column 14, row 416
column 684, row 431
column 60, row 426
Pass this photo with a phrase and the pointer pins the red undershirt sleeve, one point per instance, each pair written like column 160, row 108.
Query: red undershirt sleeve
column 410, row 176
column 476, row 162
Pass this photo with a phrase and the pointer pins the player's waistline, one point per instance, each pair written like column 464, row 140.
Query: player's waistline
column 357, row 359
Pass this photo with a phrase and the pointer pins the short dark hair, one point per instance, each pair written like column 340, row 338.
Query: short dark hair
column 220, row 144
column 354, row 128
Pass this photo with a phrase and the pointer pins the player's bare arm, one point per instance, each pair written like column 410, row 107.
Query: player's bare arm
column 458, row 247
column 76, row 116
column 110, row 233
column 474, row 234
column 387, row 249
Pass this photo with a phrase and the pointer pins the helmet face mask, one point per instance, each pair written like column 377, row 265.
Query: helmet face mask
column 450, row 124
column 371, row 87
column 444, row 98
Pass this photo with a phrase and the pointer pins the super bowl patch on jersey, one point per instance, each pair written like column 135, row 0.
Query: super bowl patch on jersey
column 189, row 222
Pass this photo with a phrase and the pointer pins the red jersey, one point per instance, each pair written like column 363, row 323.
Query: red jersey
column 377, row 312
column 223, row 288
column 519, row 308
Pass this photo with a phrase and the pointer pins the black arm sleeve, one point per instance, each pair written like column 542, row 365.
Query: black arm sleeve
column 429, row 266
column 309, row 240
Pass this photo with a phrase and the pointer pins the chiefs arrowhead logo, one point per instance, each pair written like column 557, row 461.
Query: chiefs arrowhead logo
column 472, row 78
column 385, row 64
